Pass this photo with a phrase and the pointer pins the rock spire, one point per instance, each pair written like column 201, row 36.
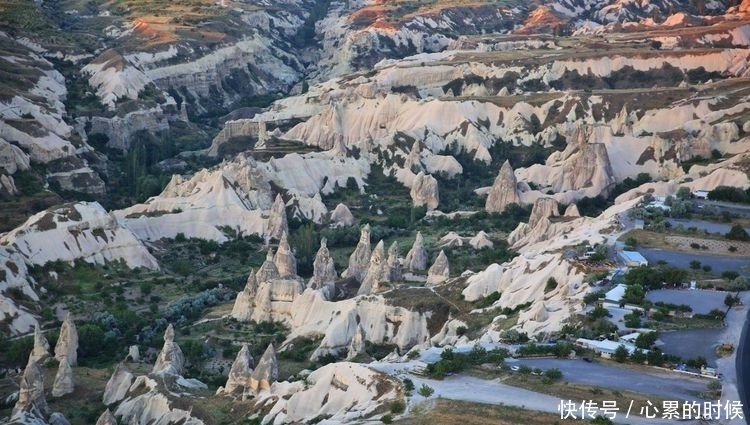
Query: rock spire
column 324, row 271
column 416, row 258
column 67, row 342
column 266, row 372
column 424, row 191
column 503, row 191
column 284, row 259
column 170, row 361
column 31, row 393
column 63, row 379
column 377, row 271
column 439, row 271
column 277, row 221
column 243, row 304
column 239, row 374
column 360, row 258
column 40, row 351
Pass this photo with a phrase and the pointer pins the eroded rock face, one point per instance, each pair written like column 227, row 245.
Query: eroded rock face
column 239, row 374
column 67, row 342
column 481, row 240
column 277, row 221
column 63, row 379
column 357, row 346
column 118, row 385
column 31, row 392
column 243, row 304
column 424, row 191
column 416, row 258
column 274, row 300
column 342, row 216
column 40, row 352
column 284, row 259
column 539, row 227
column 170, row 361
column 267, row 270
column 439, row 271
column 324, row 271
column 266, row 372
column 377, row 271
column 106, row 418
column 503, row 191
column 543, row 208
column 572, row 211
column 395, row 272
column 360, row 259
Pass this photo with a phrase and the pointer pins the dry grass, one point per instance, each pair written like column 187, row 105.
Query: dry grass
column 451, row 412
column 677, row 242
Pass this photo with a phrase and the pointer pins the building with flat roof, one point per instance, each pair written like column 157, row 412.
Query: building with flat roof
column 633, row 258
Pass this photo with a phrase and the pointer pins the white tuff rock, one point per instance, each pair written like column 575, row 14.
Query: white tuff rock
column 170, row 361
column 377, row 271
column 439, row 271
column 416, row 258
column 243, row 304
column 40, row 352
column 284, row 259
column 63, row 379
column 274, row 300
column 31, row 393
column 239, row 374
column 266, row 372
column 324, row 271
column 267, row 270
column 106, row 418
column 360, row 258
column 424, row 191
column 118, row 385
column 481, row 240
column 504, row 190
column 357, row 346
column 341, row 216
column 277, row 222
column 67, row 342
column 395, row 272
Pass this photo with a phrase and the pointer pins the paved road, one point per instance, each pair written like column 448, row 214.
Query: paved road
column 666, row 385
column 718, row 263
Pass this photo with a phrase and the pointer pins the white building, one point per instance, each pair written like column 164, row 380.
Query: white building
column 633, row 258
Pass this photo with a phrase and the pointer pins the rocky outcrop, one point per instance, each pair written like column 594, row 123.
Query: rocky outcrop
column 266, row 372
column 395, row 272
column 424, row 191
column 324, row 271
column 240, row 373
column 134, row 354
column 273, row 303
column 416, row 258
column 67, row 342
column 544, row 208
column 106, row 418
column 170, row 361
column 572, row 211
column 359, row 261
column 439, row 272
column 341, row 216
column 40, row 352
column 243, row 304
column 481, row 240
column 357, row 346
column 284, row 259
column 267, row 270
column 277, row 221
column 31, row 392
column 504, row 190
column 377, row 271
column 542, row 224
column 63, row 379
column 82, row 230
column 118, row 385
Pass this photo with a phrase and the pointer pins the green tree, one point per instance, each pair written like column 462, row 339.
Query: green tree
column 425, row 390
column 683, row 193
column 730, row 300
column 90, row 340
column 638, row 356
column 645, row 340
column 634, row 294
column 620, row 354
column 737, row 233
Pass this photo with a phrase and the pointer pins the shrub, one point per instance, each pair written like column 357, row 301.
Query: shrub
column 426, row 391
column 386, row 419
column 408, row 385
column 737, row 233
column 553, row 374
column 398, row 406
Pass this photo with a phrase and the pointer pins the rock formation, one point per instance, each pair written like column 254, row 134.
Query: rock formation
column 134, row 354
column 377, row 271
column 274, row 300
column 239, row 374
column 439, row 271
column 324, row 271
column 118, row 385
column 106, row 418
column 504, row 190
column 243, row 304
column 277, row 222
column 67, row 342
column 572, row 211
column 63, row 379
column 539, row 227
column 267, row 270
column 424, row 191
column 40, row 351
column 481, row 240
column 360, row 258
column 170, row 361
column 395, row 272
column 341, row 216
column 266, row 372
column 416, row 258
column 31, row 392
column 357, row 346
column 284, row 259
column 543, row 208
